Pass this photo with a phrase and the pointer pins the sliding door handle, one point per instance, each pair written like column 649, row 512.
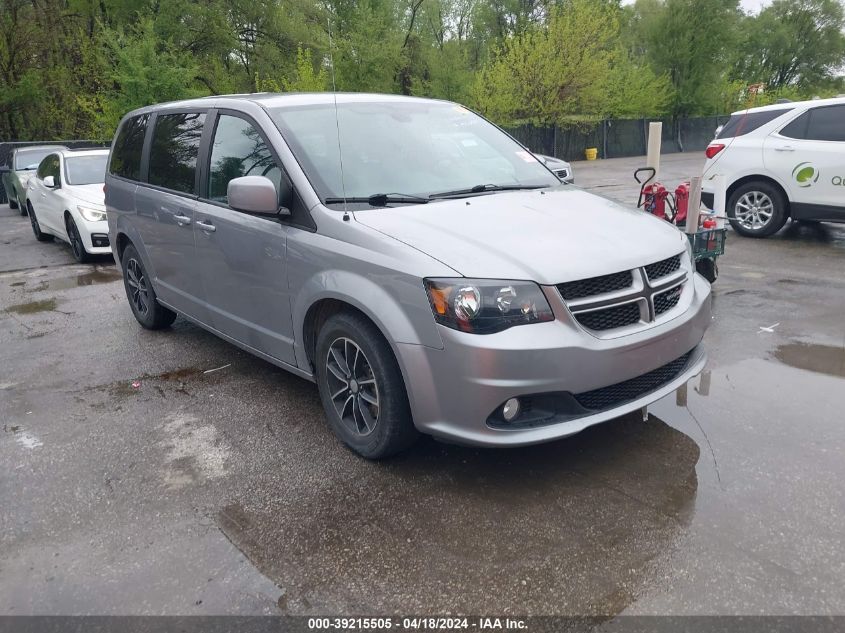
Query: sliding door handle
column 208, row 227
column 182, row 220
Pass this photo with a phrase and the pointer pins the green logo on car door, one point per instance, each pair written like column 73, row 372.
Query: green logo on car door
column 805, row 174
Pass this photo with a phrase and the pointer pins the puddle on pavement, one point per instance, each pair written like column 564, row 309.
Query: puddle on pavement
column 823, row 359
column 90, row 278
column 33, row 307
column 573, row 527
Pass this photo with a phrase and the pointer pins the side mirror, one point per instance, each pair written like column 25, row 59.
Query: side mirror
column 50, row 182
column 254, row 194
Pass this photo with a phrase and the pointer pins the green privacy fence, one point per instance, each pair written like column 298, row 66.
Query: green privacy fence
column 615, row 138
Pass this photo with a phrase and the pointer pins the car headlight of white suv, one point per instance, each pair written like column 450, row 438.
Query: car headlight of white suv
column 91, row 214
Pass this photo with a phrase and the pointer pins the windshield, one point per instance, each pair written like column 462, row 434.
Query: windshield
column 30, row 158
column 86, row 170
column 414, row 148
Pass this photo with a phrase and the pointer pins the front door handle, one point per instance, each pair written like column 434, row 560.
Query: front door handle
column 182, row 220
column 208, row 227
column 785, row 148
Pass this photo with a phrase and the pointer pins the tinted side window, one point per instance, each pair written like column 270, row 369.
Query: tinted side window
column 126, row 156
column 827, row 124
column 238, row 150
column 42, row 169
column 174, row 149
column 797, row 128
column 49, row 167
column 744, row 123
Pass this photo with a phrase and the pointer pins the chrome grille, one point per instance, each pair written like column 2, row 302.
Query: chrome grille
column 610, row 318
column 561, row 173
column 595, row 285
column 663, row 268
column 630, row 297
column 622, row 392
column 665, row 301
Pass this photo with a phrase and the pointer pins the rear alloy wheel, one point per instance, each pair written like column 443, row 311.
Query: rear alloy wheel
column 142, row 297
column 757, row 209
column 36, row 228
column 361, row 387
column 76, row 243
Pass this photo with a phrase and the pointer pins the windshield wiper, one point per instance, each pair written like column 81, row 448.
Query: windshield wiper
column 483, row 189
column 381, row 199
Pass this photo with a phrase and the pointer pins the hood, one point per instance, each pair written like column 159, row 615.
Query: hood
column 88, row 194
column 560, row 235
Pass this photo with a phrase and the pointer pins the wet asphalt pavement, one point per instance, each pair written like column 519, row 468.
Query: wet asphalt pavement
column 133, row 482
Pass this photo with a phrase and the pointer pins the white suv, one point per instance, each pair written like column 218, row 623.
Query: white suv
column 780, row 161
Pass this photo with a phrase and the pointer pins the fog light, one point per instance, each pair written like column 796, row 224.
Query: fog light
column 510, row 410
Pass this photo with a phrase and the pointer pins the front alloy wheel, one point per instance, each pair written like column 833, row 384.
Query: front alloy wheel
column 361, row 387
column 141, row 294
column 76, row 244
column 354, row 391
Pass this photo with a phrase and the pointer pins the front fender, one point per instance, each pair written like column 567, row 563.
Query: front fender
column 399, row 309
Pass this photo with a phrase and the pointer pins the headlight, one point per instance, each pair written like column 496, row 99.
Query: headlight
column 92, row 215
column 484, row 306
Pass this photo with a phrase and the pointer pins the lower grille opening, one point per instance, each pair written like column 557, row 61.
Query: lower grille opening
column 622, row 392
column 610, row 318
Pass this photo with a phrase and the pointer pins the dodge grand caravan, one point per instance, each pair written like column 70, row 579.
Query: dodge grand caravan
column 359, row 242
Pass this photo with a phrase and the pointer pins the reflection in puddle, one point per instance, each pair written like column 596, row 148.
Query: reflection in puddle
column 95, row 276
column 824, row 359
column 32, row 307
column 572, row 527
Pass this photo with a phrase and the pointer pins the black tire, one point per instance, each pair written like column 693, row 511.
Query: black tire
column 373, row 431
column 80, row 254
column 19, row 205
column 141, row 295
column 13, row 201
column 752, row 220
column 36, row 228
column 708, row 269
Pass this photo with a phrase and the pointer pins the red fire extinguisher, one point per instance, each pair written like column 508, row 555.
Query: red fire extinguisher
column 681, row 203
column 654, row 199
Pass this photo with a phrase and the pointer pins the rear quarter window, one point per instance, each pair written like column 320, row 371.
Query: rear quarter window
column 126, row 155
column 741, row 124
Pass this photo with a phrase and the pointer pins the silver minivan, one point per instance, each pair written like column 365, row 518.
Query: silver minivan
column 428, row 272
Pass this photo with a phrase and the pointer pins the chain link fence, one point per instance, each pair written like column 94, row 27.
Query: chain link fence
column 615, row 138
column 7, row 147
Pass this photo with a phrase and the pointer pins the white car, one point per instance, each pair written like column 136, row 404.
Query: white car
column 781, row 161
column 65, row 199
column 561, row 168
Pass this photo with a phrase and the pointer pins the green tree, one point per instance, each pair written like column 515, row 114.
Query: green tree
column 571, row 68
column 691, row 41
column 798, row 43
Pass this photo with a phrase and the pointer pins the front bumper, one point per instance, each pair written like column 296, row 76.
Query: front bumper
column 455, row 390
column 95, row 236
